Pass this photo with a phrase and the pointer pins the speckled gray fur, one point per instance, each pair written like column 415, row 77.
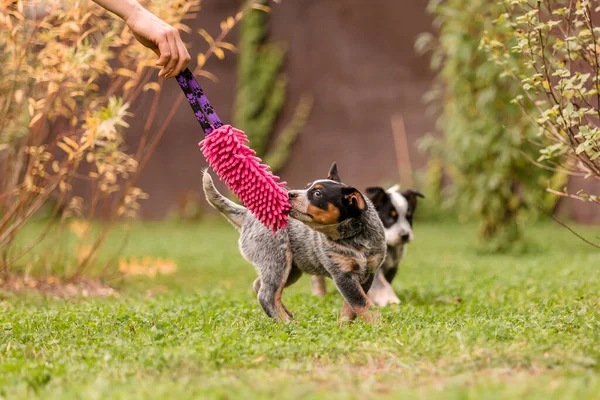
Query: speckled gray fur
column 281, row 258
column 382, row 293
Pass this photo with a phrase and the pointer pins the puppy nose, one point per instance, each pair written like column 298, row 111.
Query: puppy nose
column 405, row 237
column 292, row 195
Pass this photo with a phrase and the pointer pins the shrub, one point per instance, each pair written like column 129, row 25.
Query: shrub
column 485, row 136
column 58, row 125
column 556, row 43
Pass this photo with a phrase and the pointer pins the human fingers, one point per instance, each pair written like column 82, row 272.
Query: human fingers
column 172, row 63
column 164, row 53
column 184, row 58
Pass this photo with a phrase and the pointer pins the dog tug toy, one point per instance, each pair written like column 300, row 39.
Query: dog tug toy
column 235, row 163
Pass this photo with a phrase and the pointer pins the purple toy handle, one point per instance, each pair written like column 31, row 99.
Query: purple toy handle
column 203, row 110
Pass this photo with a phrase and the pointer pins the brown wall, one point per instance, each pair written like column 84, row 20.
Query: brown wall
column 358, row 62
column 356, row 58
column 177, row 162
column 582, row 212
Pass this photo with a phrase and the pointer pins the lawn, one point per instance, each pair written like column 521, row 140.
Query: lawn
column 470, row 326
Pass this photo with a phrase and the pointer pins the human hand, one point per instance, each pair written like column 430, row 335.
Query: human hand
column 161, row 38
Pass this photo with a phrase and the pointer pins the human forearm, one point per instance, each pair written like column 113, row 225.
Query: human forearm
column 153, row 33
column 122, row 8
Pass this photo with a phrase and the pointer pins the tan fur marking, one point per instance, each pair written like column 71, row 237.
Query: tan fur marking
column 370, row 316
column 361, row 310
column 357, row 198
column 373, row 262
column 283, row 313
column 318, row 186
column 346, row 264
column 366, row 313
column 324, row 217
column 347, row 313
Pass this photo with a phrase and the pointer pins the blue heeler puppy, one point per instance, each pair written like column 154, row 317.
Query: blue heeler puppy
column 333, row 231
column 396, row 210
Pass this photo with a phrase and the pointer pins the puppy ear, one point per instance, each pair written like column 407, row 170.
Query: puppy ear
column 395, row 188
column 355, row 200
column 411, row 196
column 333, row 173
column 376, row 194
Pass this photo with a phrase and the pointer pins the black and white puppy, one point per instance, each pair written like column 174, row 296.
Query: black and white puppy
column 396, row 210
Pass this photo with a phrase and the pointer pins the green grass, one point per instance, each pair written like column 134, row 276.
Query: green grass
column 527, row 326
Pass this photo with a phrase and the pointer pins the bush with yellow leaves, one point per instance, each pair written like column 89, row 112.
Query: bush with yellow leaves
column 58, row 125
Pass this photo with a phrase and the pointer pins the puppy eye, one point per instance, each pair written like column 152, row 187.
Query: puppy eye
column 394, row 214
column 318, row 193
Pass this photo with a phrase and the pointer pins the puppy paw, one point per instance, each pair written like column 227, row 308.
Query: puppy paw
column 384, row 298
column 385, row 301
column 344, row 320
column 284, row 317
column 288, row 312
column 347, row 314
column 371, row 317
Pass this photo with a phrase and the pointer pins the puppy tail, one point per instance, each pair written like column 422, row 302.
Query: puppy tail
column 233, row 212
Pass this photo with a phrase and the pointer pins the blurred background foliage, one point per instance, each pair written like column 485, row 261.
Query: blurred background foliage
column 488, row 144
column 69, row 72
column 556, row 43
column 261, row 91
column 515, row 93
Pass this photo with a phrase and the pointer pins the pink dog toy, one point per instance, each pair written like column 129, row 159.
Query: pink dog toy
column 235, row 163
